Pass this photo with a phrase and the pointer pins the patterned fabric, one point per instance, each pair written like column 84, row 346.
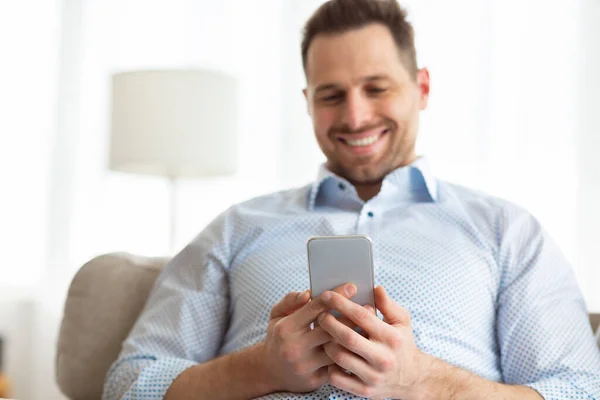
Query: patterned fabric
column 486, row 288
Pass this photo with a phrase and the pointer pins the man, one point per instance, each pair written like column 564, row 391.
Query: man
column 478, row 301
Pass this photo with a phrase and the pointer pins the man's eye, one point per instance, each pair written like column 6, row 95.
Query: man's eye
column 376, row 90
column 333, row 97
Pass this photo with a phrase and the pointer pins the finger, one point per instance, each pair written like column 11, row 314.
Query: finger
column 342, row 320
column 391, row 311
column 310, row 311
column 320, row 360
column 373, row 326
column 321, row 375
column 346, row 321
column 371, row 309
column 315, row 338
column 289, row 304
column 350, row 362
column 351, row 339
column 341, row 380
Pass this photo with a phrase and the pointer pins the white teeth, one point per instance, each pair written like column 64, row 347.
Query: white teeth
column 363, row 142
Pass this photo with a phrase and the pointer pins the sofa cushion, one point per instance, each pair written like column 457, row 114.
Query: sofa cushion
column 104, row 300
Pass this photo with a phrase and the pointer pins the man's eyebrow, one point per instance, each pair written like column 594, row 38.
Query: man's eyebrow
column 325, row 87
column 370, row 78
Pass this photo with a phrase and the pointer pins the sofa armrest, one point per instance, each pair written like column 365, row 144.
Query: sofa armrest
column 104, row 300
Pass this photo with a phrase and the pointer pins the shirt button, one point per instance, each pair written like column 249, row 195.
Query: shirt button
column 342, row 186
column 370, row 214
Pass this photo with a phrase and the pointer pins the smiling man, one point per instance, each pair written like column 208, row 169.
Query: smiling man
column 364, row 96
column 478, row 302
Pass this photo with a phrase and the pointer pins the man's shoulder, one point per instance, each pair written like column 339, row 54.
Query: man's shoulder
column 488, row 210
column 281, row 201
column 254, row 214
column 471, row 197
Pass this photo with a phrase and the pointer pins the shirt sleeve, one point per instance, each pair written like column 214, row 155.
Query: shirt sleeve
column 182, row 324
column 544, row 336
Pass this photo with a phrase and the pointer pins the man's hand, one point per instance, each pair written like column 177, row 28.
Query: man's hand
column 384, row 364
column 293, row 352
column 387, row 363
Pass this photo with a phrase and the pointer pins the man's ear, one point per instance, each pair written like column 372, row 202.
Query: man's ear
column 423, row 82
column 305, row 92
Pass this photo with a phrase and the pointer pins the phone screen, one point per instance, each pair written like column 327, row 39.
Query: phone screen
column 336, row 260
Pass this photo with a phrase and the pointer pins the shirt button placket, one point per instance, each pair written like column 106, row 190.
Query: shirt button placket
column 367, row 222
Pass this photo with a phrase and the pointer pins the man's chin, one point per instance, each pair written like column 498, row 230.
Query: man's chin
column 364, row 175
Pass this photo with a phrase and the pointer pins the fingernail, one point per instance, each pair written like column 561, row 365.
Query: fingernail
column 301, row 295
column 321, row 316
column 350, row 290
column 326, row 296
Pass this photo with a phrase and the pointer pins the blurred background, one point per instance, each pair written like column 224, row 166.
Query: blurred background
column 513, row 112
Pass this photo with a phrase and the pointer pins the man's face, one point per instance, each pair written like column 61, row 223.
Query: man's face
column 363, row 102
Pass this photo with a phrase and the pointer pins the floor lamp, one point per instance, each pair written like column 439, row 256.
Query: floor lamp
column 175, row 124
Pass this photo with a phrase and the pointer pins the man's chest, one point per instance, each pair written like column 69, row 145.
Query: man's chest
column 442, row 273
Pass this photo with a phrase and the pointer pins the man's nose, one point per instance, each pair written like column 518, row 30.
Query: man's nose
column 357, row 111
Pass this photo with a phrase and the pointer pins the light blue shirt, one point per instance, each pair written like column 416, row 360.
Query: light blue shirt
column 487, row 289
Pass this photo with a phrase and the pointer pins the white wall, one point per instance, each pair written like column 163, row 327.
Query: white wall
column 28, row 72
column 29, row 87
column 299, row 155
column 588, row 155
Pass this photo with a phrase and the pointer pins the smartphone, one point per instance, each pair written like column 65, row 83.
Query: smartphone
column 336, row 260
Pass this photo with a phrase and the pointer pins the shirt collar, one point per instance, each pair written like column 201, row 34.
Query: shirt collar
column 414, row 178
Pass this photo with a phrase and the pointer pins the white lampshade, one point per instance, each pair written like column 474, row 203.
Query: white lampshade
column 176, row 123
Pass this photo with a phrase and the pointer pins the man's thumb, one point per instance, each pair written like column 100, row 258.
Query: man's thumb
column 391, row 311
column 290, row 303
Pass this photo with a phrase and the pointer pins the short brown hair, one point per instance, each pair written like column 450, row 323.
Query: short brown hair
column 339, row 16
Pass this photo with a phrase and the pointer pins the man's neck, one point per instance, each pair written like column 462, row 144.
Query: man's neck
column 367, row 191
